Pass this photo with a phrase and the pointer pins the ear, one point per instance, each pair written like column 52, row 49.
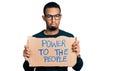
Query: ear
column 44, row 18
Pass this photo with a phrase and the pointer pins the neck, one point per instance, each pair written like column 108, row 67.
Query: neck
column 48, row 32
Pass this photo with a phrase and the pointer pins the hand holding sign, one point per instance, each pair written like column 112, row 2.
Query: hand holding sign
column 51, row 51
column 75, row 46
column 26, row 52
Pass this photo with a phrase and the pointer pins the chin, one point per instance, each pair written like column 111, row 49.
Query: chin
column 53, row 28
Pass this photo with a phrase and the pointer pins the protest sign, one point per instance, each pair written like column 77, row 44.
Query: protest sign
column 51, row 51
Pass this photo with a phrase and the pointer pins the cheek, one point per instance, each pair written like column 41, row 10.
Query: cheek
column 48, row 22
column 58, row 22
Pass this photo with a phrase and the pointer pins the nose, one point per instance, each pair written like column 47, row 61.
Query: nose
column 53, row 18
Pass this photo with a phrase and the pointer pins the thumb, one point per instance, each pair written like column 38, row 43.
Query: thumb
column 75, row 39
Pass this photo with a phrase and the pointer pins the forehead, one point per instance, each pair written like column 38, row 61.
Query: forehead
column 52, row 11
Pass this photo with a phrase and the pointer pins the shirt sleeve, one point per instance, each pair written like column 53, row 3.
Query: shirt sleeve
column 78, row 65
column 26, row 66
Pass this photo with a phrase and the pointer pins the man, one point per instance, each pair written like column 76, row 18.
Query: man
column 52, row 17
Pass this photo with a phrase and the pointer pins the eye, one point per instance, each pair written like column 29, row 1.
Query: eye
column 58, row 15
column 48, row 16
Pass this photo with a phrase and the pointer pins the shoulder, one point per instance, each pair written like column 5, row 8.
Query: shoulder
column 39, row 34
column 64, row 33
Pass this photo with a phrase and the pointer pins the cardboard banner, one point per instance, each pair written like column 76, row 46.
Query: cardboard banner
column 51, row 51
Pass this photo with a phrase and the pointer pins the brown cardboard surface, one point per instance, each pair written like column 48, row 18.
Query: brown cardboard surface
column 51, row 51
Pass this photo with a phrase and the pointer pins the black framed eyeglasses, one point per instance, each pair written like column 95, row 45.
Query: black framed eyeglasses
column 50, row 17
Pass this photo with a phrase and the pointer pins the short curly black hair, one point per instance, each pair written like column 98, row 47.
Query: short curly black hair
column 51, row 5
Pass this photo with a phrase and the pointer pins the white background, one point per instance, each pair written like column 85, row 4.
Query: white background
column 96, row 23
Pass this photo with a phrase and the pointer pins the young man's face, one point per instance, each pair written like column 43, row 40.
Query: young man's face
column 52, row 18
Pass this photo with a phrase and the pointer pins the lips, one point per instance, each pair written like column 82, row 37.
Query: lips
column 53, row 25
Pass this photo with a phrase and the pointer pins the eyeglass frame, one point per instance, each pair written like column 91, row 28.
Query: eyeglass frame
column 50, row 17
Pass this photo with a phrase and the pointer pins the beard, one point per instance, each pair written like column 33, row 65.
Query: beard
column 52, row 28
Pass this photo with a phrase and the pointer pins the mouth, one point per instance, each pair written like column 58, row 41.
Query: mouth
column 54, row 25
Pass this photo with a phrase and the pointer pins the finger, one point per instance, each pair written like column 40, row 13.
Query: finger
column 26, row 48
column 27, row 51
column 76, row 50
column 75, row 46
column 76, row 42
column 26, row 54
column 75, row 38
